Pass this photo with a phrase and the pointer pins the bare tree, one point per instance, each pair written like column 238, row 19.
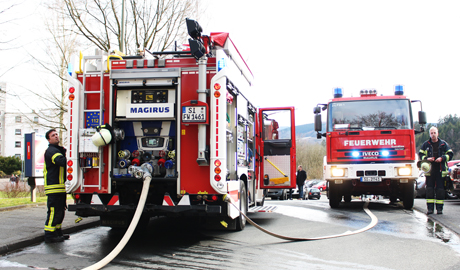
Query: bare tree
column 310, row 156
column 5, row 21
column 149, row 24
column 59, row 48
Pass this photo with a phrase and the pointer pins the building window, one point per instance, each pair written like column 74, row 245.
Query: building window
column 17, row 144
column 36, row 119
column 17, row 131
column 18, row 119
column 18, row 156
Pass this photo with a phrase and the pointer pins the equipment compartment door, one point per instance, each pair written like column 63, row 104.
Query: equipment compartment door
column 276, row 148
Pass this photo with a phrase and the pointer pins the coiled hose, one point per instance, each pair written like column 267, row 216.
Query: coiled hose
column 373, row 222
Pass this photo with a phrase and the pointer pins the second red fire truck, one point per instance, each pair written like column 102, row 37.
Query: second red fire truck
column 182, row 120
column 370, row 144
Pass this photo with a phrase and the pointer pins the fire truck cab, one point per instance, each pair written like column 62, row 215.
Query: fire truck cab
column 180, row 119
column 370, row 146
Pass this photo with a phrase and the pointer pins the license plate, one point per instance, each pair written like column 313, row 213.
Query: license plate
column 194, row 114
column 371, row 179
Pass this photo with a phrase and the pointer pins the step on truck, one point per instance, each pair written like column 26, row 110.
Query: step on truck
column 182, row 119
column 370, row 146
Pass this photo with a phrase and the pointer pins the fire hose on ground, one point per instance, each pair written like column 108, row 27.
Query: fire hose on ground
column 373, row 222
column 140, row 208
column 131, row 228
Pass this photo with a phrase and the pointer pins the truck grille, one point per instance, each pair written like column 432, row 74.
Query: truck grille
column 371, row 173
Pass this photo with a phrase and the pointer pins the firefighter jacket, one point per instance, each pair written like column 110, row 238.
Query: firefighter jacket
column 55, row 169
column 444, row 152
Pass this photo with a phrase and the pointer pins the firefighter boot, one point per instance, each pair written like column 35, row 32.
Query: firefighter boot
column 52, row 237
column 65, row 236
column 430, row 207
column 439, row 208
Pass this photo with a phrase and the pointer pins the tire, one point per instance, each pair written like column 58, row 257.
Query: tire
column 241, row 220
column 450, row 195
column 263, row 199
column 393, row 199
column 409, row 195
column 334, row 196
column 283, row 195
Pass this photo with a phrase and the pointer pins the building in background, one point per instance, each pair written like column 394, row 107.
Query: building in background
column 13, row 126
column 2, row 117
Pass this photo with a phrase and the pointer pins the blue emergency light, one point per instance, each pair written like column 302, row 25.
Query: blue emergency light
column 399, row 90
column 338, row 93
column 385, row 153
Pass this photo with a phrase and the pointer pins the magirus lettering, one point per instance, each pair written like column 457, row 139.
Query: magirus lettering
column 150, row 110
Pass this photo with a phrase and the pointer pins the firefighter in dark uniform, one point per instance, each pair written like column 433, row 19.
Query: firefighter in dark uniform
column 55, row 172
column 437, row 152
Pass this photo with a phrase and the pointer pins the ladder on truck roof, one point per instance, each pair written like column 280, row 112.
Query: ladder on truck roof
column 86, row 92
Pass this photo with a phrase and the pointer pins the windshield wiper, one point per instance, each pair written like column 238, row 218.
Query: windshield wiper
column 385, row 127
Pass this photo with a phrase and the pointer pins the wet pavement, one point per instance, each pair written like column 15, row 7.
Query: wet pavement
column 21, row 227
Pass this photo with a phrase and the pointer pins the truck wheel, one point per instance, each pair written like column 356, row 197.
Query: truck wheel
column 261, row 203
column 409, row 195
column 284, row 195
column 241, row 220
column 334, row 196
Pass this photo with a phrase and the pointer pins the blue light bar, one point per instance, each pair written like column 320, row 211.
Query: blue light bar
column 355, row 154
column 221, row 64
column 385, row 153
column 338, row 93
column 399, row 90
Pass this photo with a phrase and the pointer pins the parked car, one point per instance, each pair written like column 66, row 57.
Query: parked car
column 321, row 185
column 314, row 193
column 295, row 192
column 420, row 191
column 277, row 194
column 311, row 183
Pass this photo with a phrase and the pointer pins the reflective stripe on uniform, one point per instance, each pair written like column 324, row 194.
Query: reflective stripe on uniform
column 430, row 200
column 439, row 201
column 54, row 156
column 49, row 227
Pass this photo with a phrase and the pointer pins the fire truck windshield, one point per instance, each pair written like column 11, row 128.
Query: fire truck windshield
column 369, row 115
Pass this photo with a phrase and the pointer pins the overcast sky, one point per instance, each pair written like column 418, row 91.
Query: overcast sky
column 300, row 50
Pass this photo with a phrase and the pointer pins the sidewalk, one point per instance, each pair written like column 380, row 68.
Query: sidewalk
column 22, row 226
column 450, row 217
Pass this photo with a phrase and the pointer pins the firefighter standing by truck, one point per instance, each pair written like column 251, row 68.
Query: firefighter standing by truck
column 55, row 174
column 437, row 152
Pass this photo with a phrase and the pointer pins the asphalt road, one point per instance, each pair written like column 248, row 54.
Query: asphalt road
column 401, row 239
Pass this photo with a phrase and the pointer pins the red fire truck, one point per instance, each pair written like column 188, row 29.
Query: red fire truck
column 370, row 144
column 180, row 119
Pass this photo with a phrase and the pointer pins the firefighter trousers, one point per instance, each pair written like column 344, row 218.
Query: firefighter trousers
column 435, row 193
column 55, row 215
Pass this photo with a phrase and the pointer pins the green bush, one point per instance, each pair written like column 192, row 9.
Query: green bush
column 9, row 165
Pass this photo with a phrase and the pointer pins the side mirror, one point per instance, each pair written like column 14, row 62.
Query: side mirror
column 316, row 110
column 422, row 118
column 318, row 124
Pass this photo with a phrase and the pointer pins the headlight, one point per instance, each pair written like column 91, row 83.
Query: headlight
column 337, row 172
column 404, row 171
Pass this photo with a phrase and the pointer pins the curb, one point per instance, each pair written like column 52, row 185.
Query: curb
column 39, row 238
column 9, row 208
